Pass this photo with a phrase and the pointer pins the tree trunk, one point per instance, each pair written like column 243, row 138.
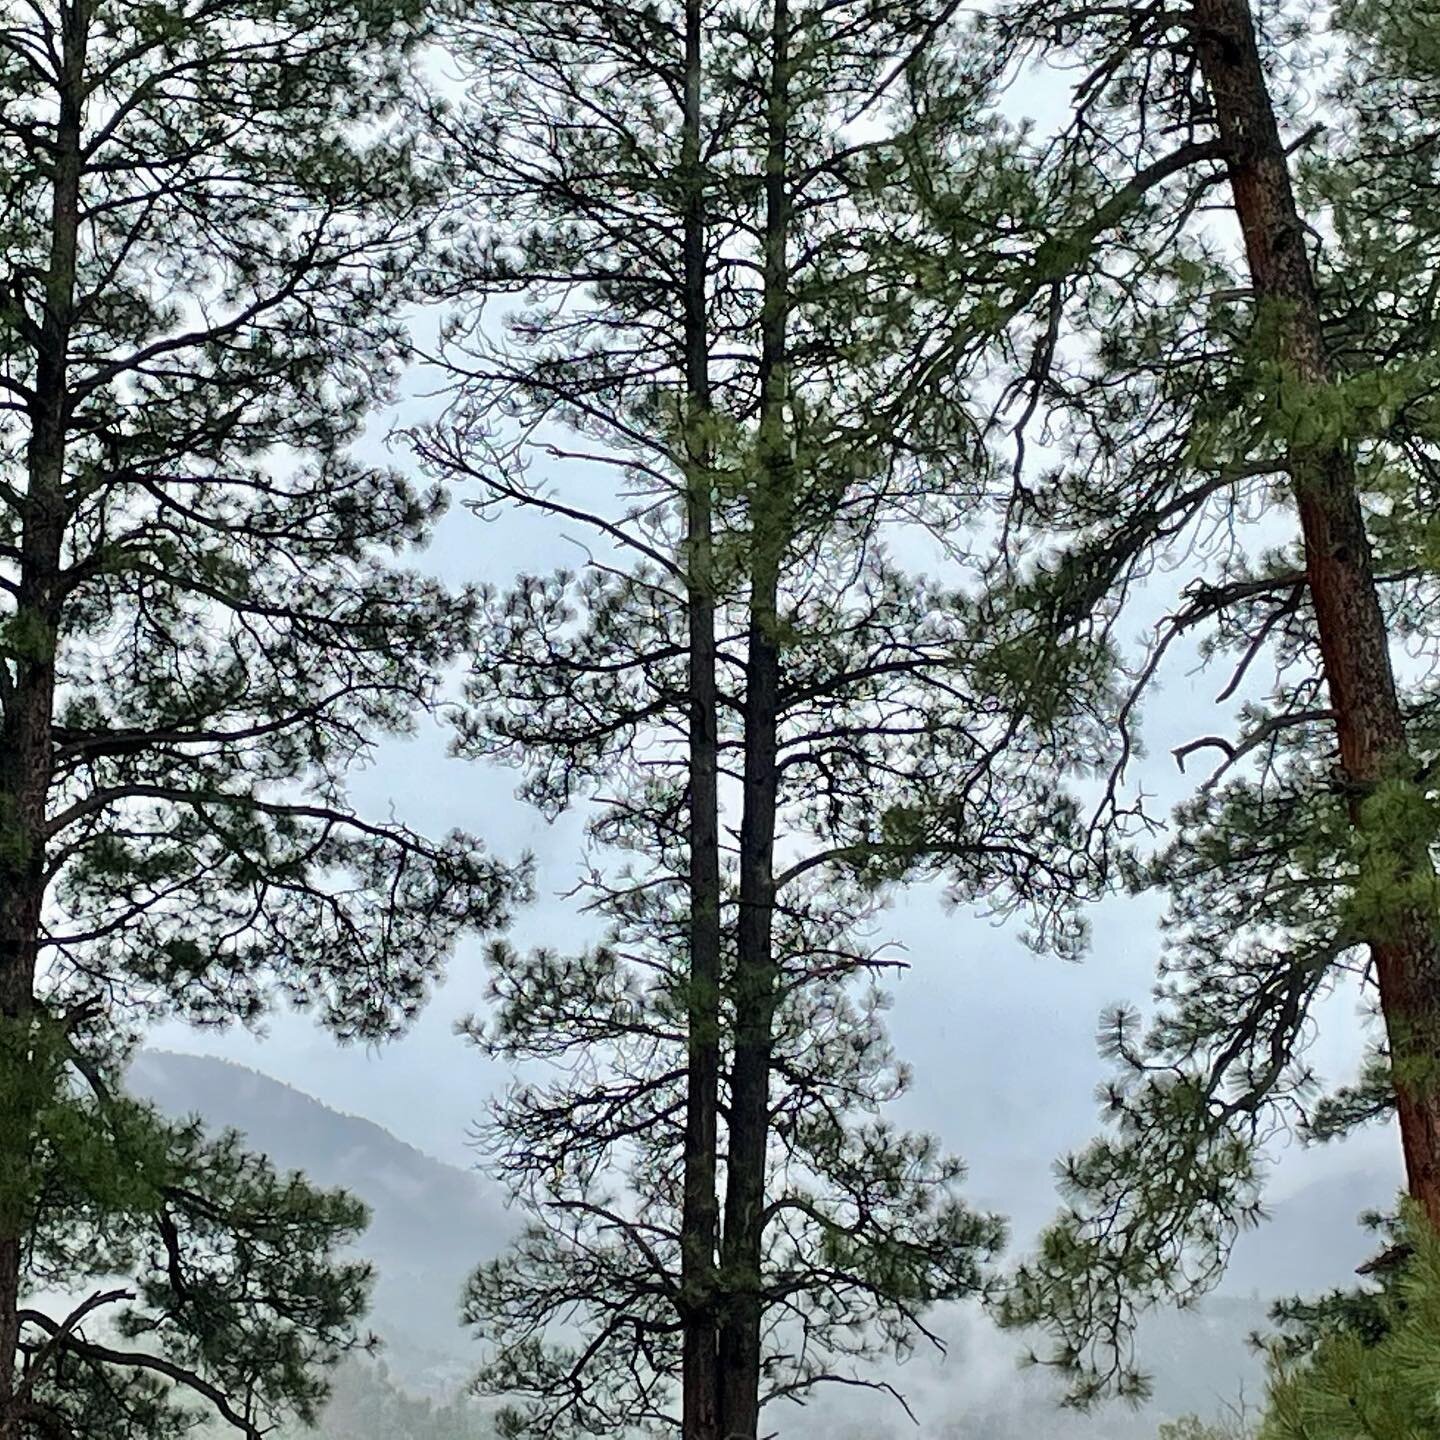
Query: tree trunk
column 27, row 694
column 755, row 977
column 1353, row 641
column 699, row 1223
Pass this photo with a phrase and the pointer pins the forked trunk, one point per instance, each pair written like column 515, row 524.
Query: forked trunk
column 755, row 987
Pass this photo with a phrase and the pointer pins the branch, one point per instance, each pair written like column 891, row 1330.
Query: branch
column 138, row 1360
column 111, row 795
column 826, row 1378
column 569, row 512
column 1281, row 612
column 1257, row 737
column 66, row 1327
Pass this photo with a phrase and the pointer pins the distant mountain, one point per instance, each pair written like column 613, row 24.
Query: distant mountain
column 430, row 1222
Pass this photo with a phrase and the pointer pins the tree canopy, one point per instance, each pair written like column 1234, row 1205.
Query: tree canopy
column 208, row 209
column 880, row 419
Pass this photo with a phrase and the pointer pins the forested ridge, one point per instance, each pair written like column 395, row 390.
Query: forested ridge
column 916, row 390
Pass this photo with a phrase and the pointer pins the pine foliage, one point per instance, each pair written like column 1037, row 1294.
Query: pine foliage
column 207, row 212
column 896, row 756
column 1376, row 1382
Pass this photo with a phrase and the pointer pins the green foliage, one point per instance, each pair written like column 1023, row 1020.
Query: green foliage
column 213, row 1283
column 231, row 634
column 1172, row 432
column 1377, row 1381
column 866, row 1221
column 1253, row 942
column 897, row 755
column 208, row 209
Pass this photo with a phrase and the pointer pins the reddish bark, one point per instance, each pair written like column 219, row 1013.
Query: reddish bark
column 1354, row 644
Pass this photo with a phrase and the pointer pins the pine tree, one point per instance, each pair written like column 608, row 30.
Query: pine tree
column 1271, row 377
column 1379, row 1380
column 718, row 304
column 206, row 209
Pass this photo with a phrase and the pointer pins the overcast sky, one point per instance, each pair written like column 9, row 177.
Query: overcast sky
column 1002, row 1042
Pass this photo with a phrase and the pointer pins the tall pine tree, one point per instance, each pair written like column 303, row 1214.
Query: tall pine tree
column 704, row 214
column 206, row 208
column 1247, row 377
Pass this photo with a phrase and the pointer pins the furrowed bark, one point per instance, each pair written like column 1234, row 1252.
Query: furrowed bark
column 1369, row 724
column 699, row 1224
column 755, row 977
column 29, row 697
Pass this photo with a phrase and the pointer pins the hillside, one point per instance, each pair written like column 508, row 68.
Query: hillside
column 429, row 1221
column 432, row 1221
